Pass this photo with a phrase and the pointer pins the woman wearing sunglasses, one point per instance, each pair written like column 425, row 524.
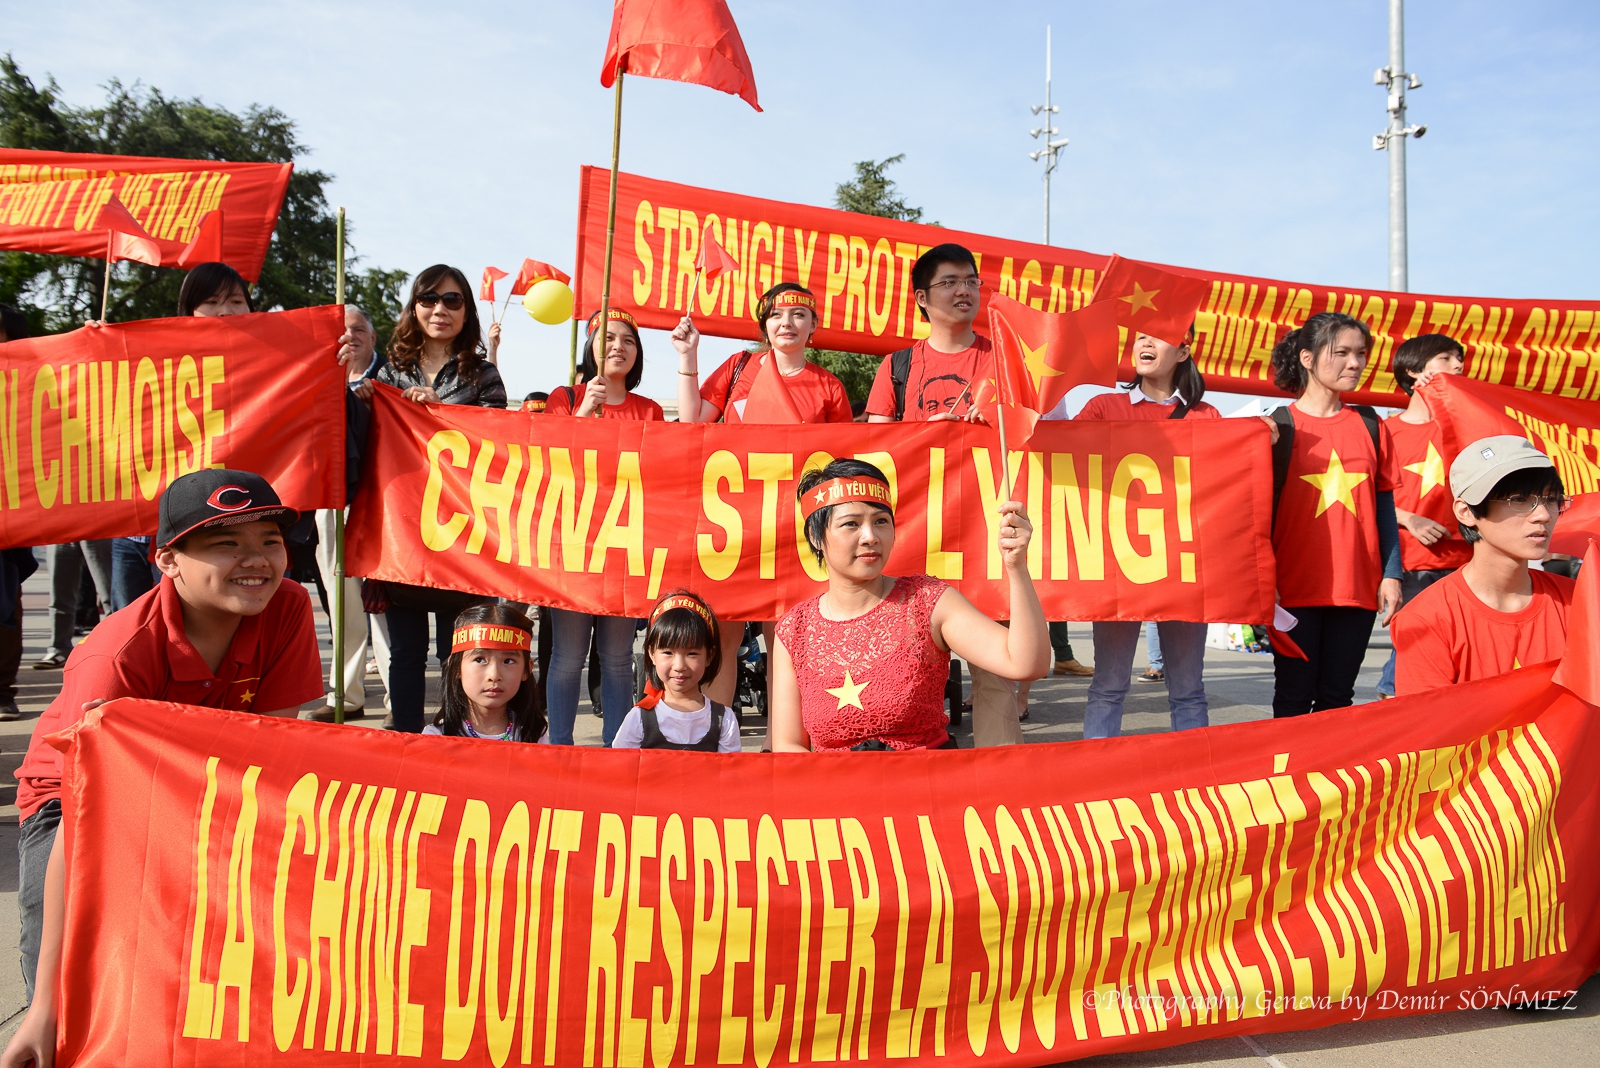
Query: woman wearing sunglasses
column 436, row 356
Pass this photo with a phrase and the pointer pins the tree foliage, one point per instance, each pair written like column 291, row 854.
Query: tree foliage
column 60, row 292
column 870, row 192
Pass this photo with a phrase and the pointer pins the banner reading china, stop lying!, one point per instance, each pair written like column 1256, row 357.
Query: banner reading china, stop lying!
column 1167, row 520
column 51, row 201
column 860, row 268
column 95, row 423
column 255, row 891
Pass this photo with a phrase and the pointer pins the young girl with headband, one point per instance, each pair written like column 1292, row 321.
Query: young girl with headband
column 485, row 690
column 864, row 664
column 674, row 714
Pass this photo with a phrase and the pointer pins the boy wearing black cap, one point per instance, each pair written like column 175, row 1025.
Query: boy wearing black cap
column 222, row 630
column 1496, row 613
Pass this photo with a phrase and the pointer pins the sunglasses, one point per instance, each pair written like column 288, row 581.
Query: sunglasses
column 453, row 301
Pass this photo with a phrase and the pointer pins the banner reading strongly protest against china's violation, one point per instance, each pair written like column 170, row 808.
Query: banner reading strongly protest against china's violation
column 95, row 423
column 859, row 266
column 51, row 201
column 1166, row 520
column 254, row 891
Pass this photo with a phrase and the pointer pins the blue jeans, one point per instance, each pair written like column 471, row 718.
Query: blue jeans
column 34, row 839
column 1411, row 584
column 132, row 573
column 569, row 653
column 1114, row 643
column 1152, row 645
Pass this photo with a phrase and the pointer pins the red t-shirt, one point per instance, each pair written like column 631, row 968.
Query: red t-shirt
column 817, row 393
column 1424, row 488
column 1119, row 407
column 633, row 406
column 1326, row 535
column 1446, row 635
column 935, row 382
column 272, row 664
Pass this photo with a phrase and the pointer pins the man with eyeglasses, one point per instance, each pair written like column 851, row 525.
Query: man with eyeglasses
column 1496, row 613
column 932, row 380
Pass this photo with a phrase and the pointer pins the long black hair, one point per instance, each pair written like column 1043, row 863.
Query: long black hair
column 845, row 467
column 1319, row 334
column 207, row 280
column 527, row 719
column 589, row 367
column 13, row 323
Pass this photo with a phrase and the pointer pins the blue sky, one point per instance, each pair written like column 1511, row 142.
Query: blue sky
column 1229, row 136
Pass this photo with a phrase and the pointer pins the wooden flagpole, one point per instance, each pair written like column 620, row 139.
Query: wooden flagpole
column 105, row 292
column 611, row 212
column 336, row 622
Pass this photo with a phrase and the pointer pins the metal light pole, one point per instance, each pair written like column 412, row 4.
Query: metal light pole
column 1051, row 148
column 1397, row 81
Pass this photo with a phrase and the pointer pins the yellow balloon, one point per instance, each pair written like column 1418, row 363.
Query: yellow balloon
column 549, row 301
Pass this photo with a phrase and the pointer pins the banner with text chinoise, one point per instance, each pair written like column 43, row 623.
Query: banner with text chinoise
column 1167, row 520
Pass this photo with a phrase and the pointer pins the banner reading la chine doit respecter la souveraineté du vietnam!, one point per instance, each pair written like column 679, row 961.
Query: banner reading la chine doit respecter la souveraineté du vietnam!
column 257, row 891
column 95, row 423
column 1165, row 520
column 859, row 266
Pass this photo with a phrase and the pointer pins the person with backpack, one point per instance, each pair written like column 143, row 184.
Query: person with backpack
column 1166, row 385
column 1334, row 530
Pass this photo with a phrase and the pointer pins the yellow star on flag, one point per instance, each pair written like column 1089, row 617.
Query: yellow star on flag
column 247, row 697
column 1430, row 469
column 1335, row 485
column 1140, row 298
column 1034, row 359
column 849, row 692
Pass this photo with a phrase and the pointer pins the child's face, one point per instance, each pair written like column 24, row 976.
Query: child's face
column 233, row 569
column 491, row 677
column 680, row 670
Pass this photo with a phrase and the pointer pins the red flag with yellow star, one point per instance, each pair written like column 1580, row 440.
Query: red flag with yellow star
column 532, row 273
column 1054, row 350
column 1151, row 300
column 491, row 275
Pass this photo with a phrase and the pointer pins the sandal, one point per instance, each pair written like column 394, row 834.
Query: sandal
column 1022, row 717
column 1153, row 675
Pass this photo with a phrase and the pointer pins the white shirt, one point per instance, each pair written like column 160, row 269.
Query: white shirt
column 679, row 728
column 1136, row 395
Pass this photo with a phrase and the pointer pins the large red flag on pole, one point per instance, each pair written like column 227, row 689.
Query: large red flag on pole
column 680, row 40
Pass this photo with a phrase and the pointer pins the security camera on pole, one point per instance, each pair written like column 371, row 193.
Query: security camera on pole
column 1051, row 148
column 1394, row 79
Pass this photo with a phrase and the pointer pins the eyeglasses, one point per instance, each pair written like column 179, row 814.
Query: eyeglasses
column 958, row 283
column 1524, row 503
column 453, row 301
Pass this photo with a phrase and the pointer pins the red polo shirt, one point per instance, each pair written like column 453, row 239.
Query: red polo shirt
column 272, row 663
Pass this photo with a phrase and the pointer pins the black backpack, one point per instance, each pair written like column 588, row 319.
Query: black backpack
column 1283, row 448
column 899, row 373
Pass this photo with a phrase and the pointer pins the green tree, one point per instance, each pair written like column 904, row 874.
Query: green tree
column 59, row 292
column 870, row 192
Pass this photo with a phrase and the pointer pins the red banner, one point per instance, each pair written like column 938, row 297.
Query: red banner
column 860, row 268
column 257, row 891
column 1566, row 429
column 95, row 423
column 1137, row 521
column 50, row 202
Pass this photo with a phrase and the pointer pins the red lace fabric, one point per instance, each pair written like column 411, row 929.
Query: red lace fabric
column 885, row 662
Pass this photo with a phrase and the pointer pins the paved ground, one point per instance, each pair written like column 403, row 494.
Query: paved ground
column 1239, row 686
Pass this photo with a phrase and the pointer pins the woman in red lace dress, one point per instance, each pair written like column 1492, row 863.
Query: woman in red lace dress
column 864, row 664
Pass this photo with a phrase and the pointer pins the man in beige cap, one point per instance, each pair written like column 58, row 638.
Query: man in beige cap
column 1495, row 614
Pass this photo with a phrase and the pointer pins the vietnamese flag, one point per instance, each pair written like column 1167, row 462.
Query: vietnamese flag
column 714, row 259
column 206, row 245
column 680, row 40
column 1577, row 526
column 769, row 400
column 1467, row 410
column 491, row 275
column 1580, row 668
column 129, row 240
column 1056, row 350
column 1009, row 397
column 1151, row 300
column 532, row 273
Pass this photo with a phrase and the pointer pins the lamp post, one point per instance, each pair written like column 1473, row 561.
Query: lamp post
column 1051, row 149
column 1397, row 81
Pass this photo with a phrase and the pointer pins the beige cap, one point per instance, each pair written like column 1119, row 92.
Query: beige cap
column 1482, row 465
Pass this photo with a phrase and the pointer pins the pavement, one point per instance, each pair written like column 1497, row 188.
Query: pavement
column 1239, row 688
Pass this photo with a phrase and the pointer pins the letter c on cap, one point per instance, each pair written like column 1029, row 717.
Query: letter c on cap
column 217, row 501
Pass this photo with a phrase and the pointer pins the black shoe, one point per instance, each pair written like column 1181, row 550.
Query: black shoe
column 9, row 711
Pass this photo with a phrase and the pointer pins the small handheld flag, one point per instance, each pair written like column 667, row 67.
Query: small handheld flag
column 206, row 244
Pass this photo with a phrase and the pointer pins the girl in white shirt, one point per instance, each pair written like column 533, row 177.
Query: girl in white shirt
column 684, row 651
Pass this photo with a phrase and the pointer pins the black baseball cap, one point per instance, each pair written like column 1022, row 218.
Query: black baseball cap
column 217, row 498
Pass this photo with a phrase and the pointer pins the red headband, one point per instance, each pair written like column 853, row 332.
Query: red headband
column 490, row 636
column 613, row 314
column 681, row 601
column 793, row 298
column 843, row 490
